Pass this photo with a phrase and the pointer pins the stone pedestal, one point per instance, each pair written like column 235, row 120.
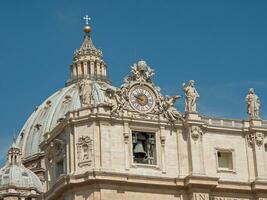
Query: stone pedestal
column 255, row 122
column 192, row 116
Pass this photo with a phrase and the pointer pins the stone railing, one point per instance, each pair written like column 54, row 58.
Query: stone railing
column 223, row 122
column 227, row 122
column 90, row 77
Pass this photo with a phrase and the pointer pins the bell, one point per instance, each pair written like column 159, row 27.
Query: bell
column 139, row 151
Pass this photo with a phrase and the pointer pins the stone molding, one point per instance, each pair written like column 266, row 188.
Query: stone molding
column 196, row 185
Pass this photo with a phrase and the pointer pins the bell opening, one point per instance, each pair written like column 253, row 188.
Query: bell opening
column 144, row 148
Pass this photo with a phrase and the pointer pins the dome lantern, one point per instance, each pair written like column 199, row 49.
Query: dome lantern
column 88, row 61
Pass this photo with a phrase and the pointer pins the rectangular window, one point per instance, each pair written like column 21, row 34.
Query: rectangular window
column 59, row 168
column 144, row 148
column 225, row 160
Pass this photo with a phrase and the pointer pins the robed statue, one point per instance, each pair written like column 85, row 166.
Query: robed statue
column 191, row 96
column 253, row 104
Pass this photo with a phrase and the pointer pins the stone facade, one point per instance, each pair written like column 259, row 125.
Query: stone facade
column 130, row 142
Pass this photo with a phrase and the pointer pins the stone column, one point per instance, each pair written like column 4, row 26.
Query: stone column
column 103, row 69
column 85, row 68
column 98, row 68
column 92, row 67
column 79, row 68
column 74, row 70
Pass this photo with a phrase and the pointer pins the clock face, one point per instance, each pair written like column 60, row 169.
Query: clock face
column 142, row 98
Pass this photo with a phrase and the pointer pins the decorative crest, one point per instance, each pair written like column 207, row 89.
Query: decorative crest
column 140, row 72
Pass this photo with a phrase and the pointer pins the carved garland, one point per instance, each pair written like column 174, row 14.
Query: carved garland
column 255, row 138
column 196, row 132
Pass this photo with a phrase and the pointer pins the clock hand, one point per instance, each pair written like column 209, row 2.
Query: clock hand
column 138, row 97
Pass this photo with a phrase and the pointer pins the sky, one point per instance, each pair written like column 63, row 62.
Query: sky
column 222, row 45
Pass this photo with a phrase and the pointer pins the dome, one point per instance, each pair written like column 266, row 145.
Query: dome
column 19, row 176
column 53, row 110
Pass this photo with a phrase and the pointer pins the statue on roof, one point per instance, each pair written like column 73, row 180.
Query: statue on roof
column 253, row 104
column 191, row 95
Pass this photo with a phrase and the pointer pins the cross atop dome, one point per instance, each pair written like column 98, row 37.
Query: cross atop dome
column 87, row 28
column 87, row 19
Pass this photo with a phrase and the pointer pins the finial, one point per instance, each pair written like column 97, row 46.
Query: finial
column 14, row 145
column 87, row 28
column 14, row 136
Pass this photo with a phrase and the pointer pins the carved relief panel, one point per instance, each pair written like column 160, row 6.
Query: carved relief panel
column 84, row 151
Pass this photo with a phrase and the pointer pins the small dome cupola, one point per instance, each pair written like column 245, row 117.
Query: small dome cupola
column 14, row 154
column 16, row 180
column 88, row 61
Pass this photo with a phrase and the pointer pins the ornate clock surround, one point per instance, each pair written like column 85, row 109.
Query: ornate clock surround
column 142, row 97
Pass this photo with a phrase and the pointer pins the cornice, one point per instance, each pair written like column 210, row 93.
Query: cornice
column 191, row 182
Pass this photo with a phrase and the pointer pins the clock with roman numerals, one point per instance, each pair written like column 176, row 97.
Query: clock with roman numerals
column 142, row 98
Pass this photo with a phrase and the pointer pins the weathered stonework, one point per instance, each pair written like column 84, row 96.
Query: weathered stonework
column 93, row 141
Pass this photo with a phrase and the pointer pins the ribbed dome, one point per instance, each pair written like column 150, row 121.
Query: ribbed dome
column 51, row 111
column 19, row 176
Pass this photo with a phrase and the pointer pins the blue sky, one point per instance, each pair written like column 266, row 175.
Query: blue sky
column 220, row 44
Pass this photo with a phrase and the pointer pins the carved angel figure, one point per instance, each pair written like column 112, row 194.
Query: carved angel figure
column 191, row 95
column 111, row 99
column 170, row 111
column 149, row 73
column 253, row 104
column 135, row 72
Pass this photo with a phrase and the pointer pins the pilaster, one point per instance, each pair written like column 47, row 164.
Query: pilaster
column 126, row 134
column 194, row 132
column 162, row 142
column 255, row 138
